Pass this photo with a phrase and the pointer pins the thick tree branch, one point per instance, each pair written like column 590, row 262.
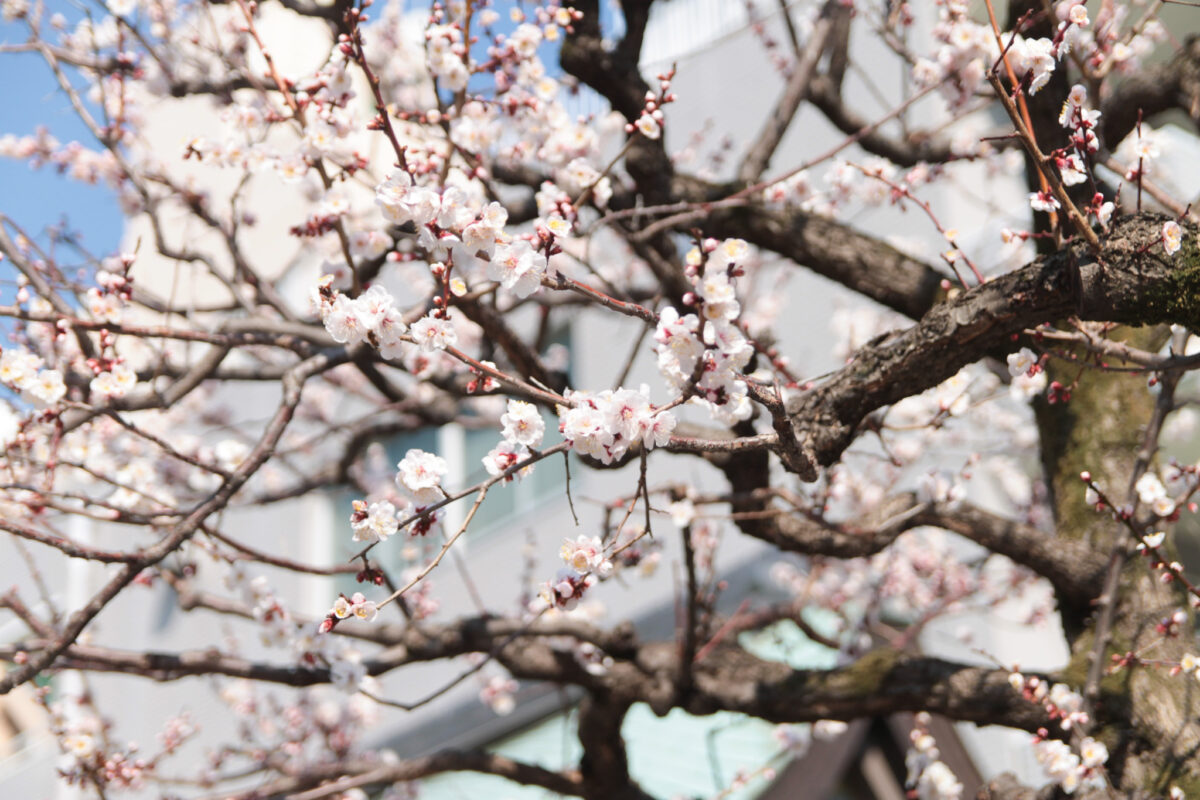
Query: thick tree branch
column 836, row 251
column 1073, row 568
column 604, row 766
column 1131, row 281
column 879, row 683
column 918, row 147
column 332, row 779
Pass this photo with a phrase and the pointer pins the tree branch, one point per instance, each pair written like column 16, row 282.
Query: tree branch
column 1153, row 90
column 1129, row 281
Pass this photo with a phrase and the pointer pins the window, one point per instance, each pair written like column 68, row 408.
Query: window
column 463, row 448
column 520, row 496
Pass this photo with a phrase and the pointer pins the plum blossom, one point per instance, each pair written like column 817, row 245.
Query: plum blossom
column 586, row 554
column 343, row 323
column 682, row 512
column 48, row 386
column 115, row 383
column 374, row 523
column 1151, row 491
column 1021, row 362
column 1035, row 57
column 347, row 671
column 565, row 589
column 518, row 267
column 357, row 605
column 1172, row 236
column 648, row 126
column 523, row 424
column 230, row 453
column 1043, row 201
column 503, row 457
column 79, row 745
column 606, row 424
column 421, row 474
column 497, row 694
column 1092, row 753
column 434, row 333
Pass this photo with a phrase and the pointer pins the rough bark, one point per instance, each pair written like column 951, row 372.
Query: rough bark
column 1131, row 281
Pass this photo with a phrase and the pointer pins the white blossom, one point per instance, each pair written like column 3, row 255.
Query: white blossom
column 421, row 474
column 523, row 424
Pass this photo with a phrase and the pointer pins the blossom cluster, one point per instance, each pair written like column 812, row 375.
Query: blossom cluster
column 586, row 554
column 116, row 381
column 604, row 425
column 649, row 124
column 372, row 314
column 919, row 569
column 1072, row 771
column 1081, row 122
column 278, row 627
column 796, row 739
column 1060, row 701
column 586, row 563
column 448, row 56
column 356, row 606
column 23, row 371
column 701, row 355
column 1152, row 492
column 967, row 49
column 106, row 302
column 497, row 694
column 452, row 232
column 374, row 523
column 1141, row 149
column 928, row 775
column 565, row 589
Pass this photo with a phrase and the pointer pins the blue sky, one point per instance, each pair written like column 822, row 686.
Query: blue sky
column 42, row 198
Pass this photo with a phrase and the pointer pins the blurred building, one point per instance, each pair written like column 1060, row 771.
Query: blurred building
column 727, row 81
